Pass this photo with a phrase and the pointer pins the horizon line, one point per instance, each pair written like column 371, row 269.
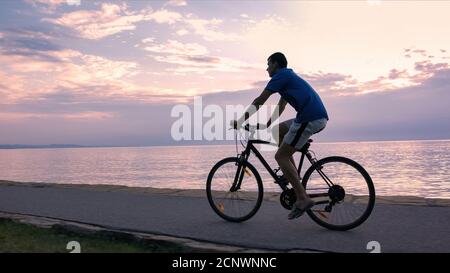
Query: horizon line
column 76, row 146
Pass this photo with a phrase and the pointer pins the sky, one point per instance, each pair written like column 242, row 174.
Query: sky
column 109, row 72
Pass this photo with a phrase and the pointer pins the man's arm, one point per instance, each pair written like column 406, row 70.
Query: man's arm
column 260, row 100
column 277, row 113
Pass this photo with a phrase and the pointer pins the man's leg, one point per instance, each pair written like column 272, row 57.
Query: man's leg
column 278, row 132
column 283, row 156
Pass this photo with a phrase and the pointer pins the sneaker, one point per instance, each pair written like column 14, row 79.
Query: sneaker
column 297, row 212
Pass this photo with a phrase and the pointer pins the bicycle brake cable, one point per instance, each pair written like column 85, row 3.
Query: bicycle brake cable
column 241, row 139
column 235, row 138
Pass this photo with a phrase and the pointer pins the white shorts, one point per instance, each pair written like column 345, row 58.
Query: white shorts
column 299, row 133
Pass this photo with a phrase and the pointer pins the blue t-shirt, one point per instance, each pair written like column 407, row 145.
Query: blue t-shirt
column 299, row 94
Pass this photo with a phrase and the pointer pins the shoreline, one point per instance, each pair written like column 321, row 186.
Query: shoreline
column 268, row 196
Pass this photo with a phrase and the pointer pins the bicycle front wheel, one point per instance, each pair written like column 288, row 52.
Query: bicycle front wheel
column 235, row 205
column 343, row 192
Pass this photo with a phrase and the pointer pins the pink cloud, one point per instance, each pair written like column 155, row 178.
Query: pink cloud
column 32, row 76
column 429, row 67
column 174, row 47
column 203, row 64
column 111, row 19
column 335, row 84
column 88, row 116
column 208, row 29
column 395, row 74
column 165, row 16
column 177, row 3
column 50, row 6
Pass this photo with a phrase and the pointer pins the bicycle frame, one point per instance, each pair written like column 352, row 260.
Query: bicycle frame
column 251, row 148
column 329, row 195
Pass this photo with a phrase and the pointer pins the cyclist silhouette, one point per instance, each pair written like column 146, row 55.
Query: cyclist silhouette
column 292, row 134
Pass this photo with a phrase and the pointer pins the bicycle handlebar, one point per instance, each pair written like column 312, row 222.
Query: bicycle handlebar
column 258, row 126
column 249, row 127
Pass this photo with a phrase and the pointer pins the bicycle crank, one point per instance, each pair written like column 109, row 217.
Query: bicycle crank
column 287, row 199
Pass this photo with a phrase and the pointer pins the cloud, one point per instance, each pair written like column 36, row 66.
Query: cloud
column 30, row 33
column 182, row 32
column 111, row 19
column 28, row 43
column 33, row 65
column 165, row 16
column 208, row 29
column 98, row 24
column 413, row 112
column 177, row 3
column 108, row 113
column 132, row 123
column 50, row 6
column 428, row 67
column 204, row 59
column 174, row 47
column 396, row 74
column 11, row 86
column 70, row 66
column 335, row 84
column 52, row 2
column 191, row 57
column 203, row 64
column 114, row 18
column 91, row 116
column 73, row 2
column 30, row 71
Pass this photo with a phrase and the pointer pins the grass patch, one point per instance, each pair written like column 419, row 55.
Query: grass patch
column 25, row 238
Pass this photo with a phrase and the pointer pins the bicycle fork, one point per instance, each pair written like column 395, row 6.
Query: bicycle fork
column 241, row 170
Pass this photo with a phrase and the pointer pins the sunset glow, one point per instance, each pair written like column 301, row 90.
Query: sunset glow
column 116, row 62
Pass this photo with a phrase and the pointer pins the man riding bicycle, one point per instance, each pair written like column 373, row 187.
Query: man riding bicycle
column 311, row 118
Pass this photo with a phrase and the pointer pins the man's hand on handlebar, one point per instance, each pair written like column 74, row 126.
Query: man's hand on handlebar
column 259, row 126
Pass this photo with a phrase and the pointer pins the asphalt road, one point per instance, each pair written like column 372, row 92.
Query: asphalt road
column 397, row 228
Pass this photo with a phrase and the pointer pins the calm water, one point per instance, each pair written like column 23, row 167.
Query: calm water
column 420, row 168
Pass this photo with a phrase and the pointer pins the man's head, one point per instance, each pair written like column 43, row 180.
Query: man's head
column 275, row 62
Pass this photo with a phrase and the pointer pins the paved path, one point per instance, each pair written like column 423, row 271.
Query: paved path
column 398, row 228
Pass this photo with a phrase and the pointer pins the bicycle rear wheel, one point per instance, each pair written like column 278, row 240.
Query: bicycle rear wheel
column 234, row 205
column 343, row 192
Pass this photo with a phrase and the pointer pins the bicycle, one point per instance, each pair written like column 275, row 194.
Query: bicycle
column 340, row 186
